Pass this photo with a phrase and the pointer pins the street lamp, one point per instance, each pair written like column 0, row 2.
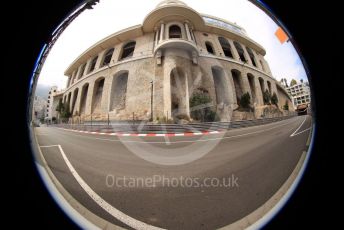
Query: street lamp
column 152, row 84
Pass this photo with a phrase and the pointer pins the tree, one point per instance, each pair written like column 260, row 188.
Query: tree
column 59, row 107
column 293, row 82
column 266, row 97
column 200, row 109
column 245, row 100
column 63, row 109
column 286, row 105
column 274, row 99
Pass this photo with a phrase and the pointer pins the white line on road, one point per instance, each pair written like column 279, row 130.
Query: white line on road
column 136, row 224
column 295, row 133
column 301, row 131
column 48, row 146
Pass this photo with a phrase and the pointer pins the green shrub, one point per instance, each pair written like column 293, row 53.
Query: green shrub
column 245, row 100
column 274, row 99
column 266, row 97
column 286, row 106
column 200, row 109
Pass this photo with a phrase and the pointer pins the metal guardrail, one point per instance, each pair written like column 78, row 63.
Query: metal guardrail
column 169, row 128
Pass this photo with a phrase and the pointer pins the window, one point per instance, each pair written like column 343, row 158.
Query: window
column 93, row 64
column 250, row 53
column 226, row 47
column 209, row 47
column 107, row 57
column 82, row 70
column 175, row 32
column 128, row 50
column 240, row 51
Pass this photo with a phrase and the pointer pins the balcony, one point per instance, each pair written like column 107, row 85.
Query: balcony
column 176, row 43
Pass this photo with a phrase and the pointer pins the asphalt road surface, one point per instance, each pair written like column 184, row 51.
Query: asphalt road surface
column 249, row 165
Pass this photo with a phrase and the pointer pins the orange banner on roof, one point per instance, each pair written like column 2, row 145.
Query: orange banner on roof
column 281, row 35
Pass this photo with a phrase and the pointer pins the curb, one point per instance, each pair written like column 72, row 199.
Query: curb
column 118, row 134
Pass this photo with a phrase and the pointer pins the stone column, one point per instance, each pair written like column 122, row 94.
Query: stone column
column 274, row 88
column 245, row 84
column 192, row 36
column 99, row 60
column 156, row 37
column 162, row 31
column 247, row 56
column 235, row 52
column 87, row 66
column 187, row 96
column 188, row 35
column 259, row 66
column 68, row 81
column 234, row 101
column 267, row 67
column 71, row 101
column 105, row 103
column 259, row 91
column 78, row 75
column 88, row 109
column 78, row 102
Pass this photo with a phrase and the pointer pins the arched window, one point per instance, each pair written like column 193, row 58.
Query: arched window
column 97, row 95
column 175, row 32
column 82, row 70
column 107, row 57
column 119, row 91
column 240, row 51
column 128, row 50
column 84, row 92
column 93, row 64
column 209, row 47
column 238, row 84
column 250, row 53
column 226, row 47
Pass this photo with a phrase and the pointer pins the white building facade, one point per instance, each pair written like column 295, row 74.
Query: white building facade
column 153, row 69
column 54, row 96
column 300, row 93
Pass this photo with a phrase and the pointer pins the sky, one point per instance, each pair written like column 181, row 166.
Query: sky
column 110, row 16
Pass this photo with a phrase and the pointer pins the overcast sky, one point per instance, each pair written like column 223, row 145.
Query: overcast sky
column 110, row 16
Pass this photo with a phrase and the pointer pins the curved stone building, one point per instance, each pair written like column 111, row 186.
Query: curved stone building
column 152, row 70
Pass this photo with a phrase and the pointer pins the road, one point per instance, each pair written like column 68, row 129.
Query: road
column 261, row 158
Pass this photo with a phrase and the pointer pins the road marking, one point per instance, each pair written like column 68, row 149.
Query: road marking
column 295, row 133
column 128, row 220
column 179, row 134
column 182, row 134
column 48, row 146
column 301, row 132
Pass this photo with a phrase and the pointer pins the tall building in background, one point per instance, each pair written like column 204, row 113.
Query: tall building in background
column 54, row 96
column 300, row 93
column 39, row 109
